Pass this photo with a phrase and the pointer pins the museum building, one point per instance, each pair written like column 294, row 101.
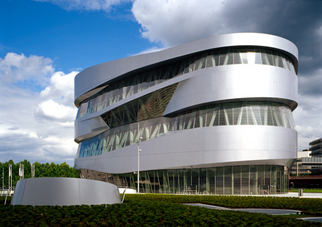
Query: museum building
column 213, row 116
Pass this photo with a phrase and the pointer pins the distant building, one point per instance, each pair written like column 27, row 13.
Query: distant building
column 316, row 147
column 298, row 168
column 213, row 116
column 306, row 171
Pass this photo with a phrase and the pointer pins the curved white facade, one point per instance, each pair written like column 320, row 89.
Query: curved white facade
column 208, row 112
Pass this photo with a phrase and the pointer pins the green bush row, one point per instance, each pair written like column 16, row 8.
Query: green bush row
column 308, row 190
column 3, row 198
column 306, row 205
column 136, row 212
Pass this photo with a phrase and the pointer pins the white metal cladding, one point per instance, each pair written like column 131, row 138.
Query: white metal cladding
column 201, row 147
column 94, row 76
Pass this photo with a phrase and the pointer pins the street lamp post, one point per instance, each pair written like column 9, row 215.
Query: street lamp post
column 140, row 137
column 2, row 181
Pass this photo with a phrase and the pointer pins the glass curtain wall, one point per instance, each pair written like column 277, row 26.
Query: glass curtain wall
column 239, row 113
column 147, row 107
column 227, row 56
column 227, row 180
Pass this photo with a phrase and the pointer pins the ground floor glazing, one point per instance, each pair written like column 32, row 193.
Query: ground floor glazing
column 227, row 180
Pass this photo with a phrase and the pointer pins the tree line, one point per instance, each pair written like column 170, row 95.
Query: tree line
column 41, row 170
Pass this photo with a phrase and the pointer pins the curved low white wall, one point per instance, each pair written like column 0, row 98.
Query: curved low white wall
column 62, row 191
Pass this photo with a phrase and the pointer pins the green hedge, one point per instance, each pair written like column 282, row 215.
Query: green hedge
column 308, row 190
column 158, row 210
column 137, row 213
column 2, row 199
column 306, row 205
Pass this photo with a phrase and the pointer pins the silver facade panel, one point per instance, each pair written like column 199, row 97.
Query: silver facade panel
column 202, row 147
column 235, row 82
column 94, row 76
column 86, row 128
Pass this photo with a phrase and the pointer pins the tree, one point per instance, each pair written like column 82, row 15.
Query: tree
column 41, row 170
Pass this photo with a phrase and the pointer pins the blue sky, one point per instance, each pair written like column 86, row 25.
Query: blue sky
column 73, row 39
column 45, row 43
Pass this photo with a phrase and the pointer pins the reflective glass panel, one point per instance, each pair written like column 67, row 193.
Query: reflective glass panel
column 124, row 125
column 133, row 84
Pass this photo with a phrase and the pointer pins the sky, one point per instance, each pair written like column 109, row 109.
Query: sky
column 45, row 43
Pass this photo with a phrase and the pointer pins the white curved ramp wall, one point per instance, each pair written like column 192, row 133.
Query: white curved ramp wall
column 53, row 191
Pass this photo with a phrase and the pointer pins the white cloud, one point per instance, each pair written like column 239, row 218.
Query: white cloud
column 85, row 4
column 175, row 22
column 36, row 125
column 311, row 84
column 308, row 119
column 51, row 109
column 18, row 68
column 308, row 115
column 319, row 31
column 61, row 88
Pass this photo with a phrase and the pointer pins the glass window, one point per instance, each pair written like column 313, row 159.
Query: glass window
column 236, row 57
column 236, row 180
column 203, row 181
column 243, row 57
column 278, row 61
column 153, row 125
column 245, row 186
column 230, row 59
column 209, row 61
column 253, row 180
column 210, row 181
column 138, row 82
column 251, row 58
column 258, row 58
column 265, row 60
column 216, row 59
column 228, row 186
column 273, row 180
column 219, row 180
column 270, row 58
